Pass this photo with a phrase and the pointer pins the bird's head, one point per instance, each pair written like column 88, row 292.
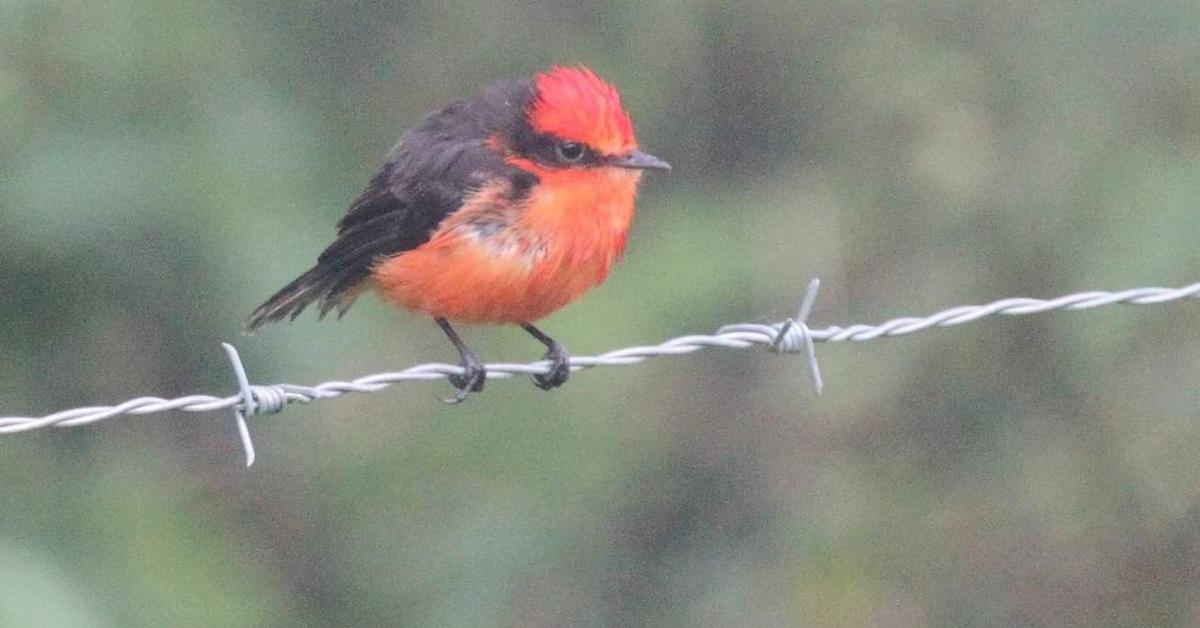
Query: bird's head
column 574, row 120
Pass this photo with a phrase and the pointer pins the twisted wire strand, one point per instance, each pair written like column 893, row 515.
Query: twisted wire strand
column 788, row 336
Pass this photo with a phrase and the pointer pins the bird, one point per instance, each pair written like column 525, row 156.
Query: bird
column 500, row 208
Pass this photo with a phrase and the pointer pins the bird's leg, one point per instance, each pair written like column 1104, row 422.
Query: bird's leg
column 474, row 375
column 560, row 362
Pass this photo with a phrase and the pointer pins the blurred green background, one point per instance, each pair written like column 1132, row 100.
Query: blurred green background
column 166, row 166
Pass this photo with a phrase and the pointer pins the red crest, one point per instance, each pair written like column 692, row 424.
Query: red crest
column 575, row 104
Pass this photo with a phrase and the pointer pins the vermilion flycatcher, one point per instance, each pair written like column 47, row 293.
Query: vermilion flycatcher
column 498, row 209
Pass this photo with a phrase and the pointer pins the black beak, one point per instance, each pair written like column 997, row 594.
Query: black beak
column 641, row 161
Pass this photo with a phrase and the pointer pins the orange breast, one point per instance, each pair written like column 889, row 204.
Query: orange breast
column 499, row 262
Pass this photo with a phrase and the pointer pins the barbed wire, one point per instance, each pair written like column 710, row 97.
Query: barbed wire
column 789, row 336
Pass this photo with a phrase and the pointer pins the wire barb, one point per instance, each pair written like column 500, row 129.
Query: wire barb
column 249, row 402
column 789, row 336
column 794, row 336
column 255, row 400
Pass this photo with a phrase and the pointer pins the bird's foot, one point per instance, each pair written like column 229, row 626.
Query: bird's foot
column 472, row 379
column 560, row 368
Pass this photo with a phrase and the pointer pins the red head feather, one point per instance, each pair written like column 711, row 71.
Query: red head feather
column 575, row 104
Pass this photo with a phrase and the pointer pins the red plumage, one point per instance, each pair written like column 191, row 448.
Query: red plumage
column 577, row 104
column 499, row 209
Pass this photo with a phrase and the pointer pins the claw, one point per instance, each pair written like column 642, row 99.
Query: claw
column 474, row 375
column 560, row 362
column 560, row 368
column 472, row 379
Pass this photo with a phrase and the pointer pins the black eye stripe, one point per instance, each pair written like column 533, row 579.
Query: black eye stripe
column 570, row 151
column 548, row 150
column 564, row 153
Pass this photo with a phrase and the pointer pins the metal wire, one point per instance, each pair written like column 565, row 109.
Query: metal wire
column 789, row 336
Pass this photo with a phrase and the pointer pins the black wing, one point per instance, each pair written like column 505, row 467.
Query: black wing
column 426, row 178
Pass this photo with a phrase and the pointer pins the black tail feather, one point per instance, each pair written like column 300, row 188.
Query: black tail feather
column 328, row 286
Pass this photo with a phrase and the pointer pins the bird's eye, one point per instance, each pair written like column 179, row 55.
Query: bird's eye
column 570, row 152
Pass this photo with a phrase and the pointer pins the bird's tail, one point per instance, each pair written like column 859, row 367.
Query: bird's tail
column 333, row 289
